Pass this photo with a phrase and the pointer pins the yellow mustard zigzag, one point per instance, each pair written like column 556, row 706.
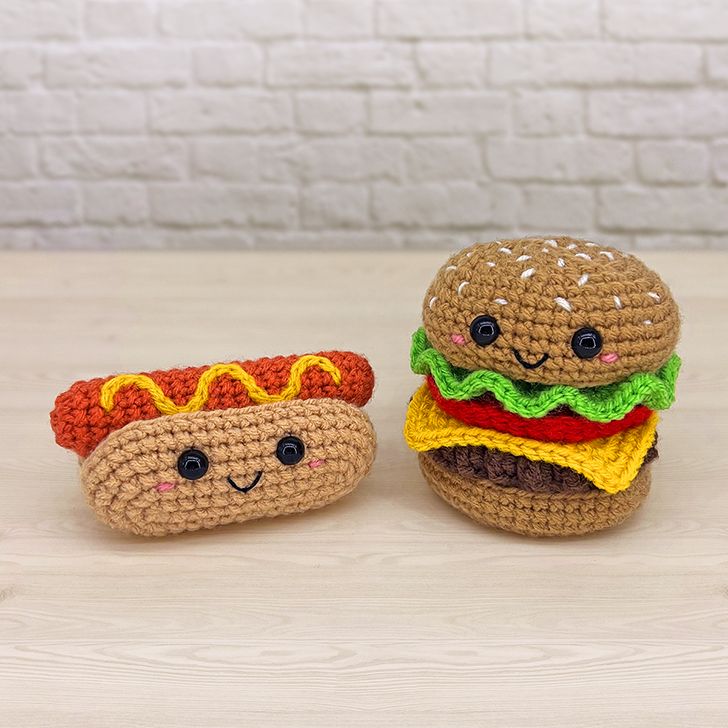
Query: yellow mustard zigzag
column 611, row 463
column 202, row 392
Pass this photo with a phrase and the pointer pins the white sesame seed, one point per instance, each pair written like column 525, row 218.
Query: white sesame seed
column 552, row 243
column 528, row 272
column 583, row 279
column 571, row 246
column 491, row 264
column 545, row 250
column 563, row 303
column 607, row 254
column 560, row 263
column 617, row 302
column 501, row 301
column 589, row 244
column 647, row 322
column 432, row 301
column 461, row 286
column 451, row 267
column 582, row 255
column 521, row 258
column 467, row 255
column 508, row 251
column 654, row 295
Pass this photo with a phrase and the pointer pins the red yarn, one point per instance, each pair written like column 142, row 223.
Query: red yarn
column 80, row 423
column 566, row 426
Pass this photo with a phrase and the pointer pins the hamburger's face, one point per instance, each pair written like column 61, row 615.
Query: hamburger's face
column 198, row 470
column 551, row 311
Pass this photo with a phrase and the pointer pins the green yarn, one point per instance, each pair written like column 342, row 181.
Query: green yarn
column 600, row 404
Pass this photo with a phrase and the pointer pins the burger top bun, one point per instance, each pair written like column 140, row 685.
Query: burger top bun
column 551, row 311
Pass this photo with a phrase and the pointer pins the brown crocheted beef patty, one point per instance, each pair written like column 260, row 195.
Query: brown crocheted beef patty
column 515, row 471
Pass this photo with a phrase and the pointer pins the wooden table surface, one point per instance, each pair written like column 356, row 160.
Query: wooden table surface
column 386, row 608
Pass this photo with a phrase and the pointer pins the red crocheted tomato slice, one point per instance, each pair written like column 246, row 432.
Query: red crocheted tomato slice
column 564, row 426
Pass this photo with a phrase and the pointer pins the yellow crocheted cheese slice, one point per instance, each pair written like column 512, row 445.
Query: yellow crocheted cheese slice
column 611, row 463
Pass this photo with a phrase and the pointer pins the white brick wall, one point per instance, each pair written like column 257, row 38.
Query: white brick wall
column 362, row 123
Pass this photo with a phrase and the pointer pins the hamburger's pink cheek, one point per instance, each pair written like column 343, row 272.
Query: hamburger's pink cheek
column 317, row 463
column 609, row 358
column 163, row 487
column 458, row 339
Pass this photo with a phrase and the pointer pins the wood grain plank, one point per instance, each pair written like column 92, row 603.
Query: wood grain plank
column 387, row 608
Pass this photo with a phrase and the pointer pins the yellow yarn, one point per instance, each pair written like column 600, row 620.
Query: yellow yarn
column 167, row 407
column 611, row 463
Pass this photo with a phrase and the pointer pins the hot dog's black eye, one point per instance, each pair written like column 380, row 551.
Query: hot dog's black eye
column 192, row 464
column 484, row 330
column 586, row 343
column 290, row 450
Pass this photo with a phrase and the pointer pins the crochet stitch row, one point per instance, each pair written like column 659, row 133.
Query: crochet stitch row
column 516, row 471
column 611, row 463
column 535, row 514
column 202, row 393
column 566, row 426
column 602, row 404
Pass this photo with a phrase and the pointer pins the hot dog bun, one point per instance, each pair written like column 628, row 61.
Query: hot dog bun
column 134, row 479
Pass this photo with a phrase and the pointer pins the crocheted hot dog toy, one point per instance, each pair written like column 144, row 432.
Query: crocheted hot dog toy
column 545, row 362
column 184, row 449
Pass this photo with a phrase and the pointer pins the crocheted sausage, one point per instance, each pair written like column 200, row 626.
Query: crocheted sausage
column 81, row 419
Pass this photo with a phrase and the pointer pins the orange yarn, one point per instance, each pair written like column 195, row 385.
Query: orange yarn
column 80, row 423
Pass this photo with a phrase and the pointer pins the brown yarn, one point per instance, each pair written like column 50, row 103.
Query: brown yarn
column 534, row 514
column 515, row 471
column 122, row 475
column 527, row 285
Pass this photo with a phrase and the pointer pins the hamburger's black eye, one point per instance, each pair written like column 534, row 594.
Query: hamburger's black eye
column 484, row 330
column 290, row 450
column 586, row 343
column 192, row 464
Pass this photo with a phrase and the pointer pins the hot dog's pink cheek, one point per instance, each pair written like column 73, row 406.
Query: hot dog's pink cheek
column 458, row 339
column 609, row 357
column 164, row 487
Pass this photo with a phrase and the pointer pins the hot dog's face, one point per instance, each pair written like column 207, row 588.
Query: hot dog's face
column 203, row 469
column 551, row 311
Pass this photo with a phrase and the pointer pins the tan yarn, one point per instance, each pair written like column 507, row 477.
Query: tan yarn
column 534, row 514
column 122, row 475
column 541, row 291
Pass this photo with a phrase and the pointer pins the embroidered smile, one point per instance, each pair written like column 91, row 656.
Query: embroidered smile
column 247, row 488
column 528, row 364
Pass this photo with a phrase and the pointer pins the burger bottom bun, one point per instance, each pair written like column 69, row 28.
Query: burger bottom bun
column 134, row 482
column 534, row 514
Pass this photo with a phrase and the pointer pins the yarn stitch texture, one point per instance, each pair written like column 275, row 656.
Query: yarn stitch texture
column 535, row 514
column 80, row 422
column 514, row 471
column 611, row 463
column 132, row 483
column 559, row 426
column 540, row 292
column 601, row 404
column 202, row 393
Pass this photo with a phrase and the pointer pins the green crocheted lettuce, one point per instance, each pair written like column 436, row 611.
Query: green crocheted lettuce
column 600, row 404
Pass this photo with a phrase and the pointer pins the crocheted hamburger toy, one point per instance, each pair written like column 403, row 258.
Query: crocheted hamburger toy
column 545, row 363
column 184, row 449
